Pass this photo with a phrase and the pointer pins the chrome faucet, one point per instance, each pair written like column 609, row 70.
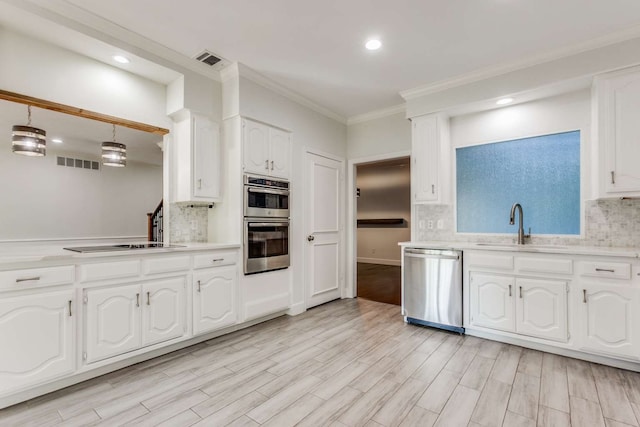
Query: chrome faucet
column 512, row 216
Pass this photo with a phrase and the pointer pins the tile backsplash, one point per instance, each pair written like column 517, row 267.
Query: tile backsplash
column 188, row 223
column 611, row 222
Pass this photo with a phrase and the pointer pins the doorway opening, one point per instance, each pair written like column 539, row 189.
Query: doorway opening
column 383, row 212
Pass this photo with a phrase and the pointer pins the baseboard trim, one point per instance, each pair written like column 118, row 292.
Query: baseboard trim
column 297, row 308
column 379, row 261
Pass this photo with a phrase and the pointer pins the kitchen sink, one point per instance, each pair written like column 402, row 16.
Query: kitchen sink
column 121, row 247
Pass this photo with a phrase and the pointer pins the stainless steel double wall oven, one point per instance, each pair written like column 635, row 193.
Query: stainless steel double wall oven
column 266, row 224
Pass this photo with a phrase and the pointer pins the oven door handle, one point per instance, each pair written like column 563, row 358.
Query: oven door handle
column 267, row 224
column 267, row 191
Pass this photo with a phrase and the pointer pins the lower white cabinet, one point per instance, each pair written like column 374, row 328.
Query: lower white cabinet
column 534, row 307
column 36, row 338
column 214, row 298
column 609, row 319
column 124, row 318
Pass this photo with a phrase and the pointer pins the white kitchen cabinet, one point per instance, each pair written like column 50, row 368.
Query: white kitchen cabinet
column 36, row 338
column 541, row 308
column 492, row 304
column 120, row 319
column 214, row 298
column 609, row 320
column 112, row 321
column 266, row 150
column 534, row 307
column 163, row 314
column 198, row 165
column 430, row 154
column 617, row 107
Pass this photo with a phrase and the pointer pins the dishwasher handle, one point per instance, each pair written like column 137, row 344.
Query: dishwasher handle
column 419, row 253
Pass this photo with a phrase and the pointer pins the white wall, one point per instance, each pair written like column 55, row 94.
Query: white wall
column 42, row 200
column 32, row 67
column 385, row 192
column 390, row 134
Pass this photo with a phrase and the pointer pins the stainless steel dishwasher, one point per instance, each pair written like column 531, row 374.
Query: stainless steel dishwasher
column 432, row 288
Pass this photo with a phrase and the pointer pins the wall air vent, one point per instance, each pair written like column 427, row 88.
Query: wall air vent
column 212, row 60
column 77, row 163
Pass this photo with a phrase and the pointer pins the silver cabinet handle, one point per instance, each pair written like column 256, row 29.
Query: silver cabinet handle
column 218, row 260
column 148, row 298
column 509, row 290
column 613, row 177
column 266, row 164
column 271, row 164
column 520, row 292
column 28, row 279
column 199, row 286
column 70, row 314
column 584, row 296
column 199, row 184
column 137, row 300
column 433, row 189
column 311, row 238
column 606, row 270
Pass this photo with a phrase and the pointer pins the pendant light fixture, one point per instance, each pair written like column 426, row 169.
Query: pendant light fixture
column 114, row 153
column 27, row 140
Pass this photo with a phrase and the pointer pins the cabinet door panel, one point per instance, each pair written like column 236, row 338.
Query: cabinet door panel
column 624, row 131
column 280, row 147
column 426, row 158
column 610, row 320
column 37, row 341
column 491, row 301
column 541, row 308
column 206, row 158
column 164, row 310
column 256, row 147
column 214, row 299
column 113, row 321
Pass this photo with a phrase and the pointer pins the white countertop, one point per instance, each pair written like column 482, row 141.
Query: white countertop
column 27, row 253
column 508, row 247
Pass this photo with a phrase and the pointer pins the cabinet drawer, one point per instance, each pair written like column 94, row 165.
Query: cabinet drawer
column 491, row 261
column 544, row 265
column 215, row 259
column 166, row 264
column 36, row 277
column 607, row 270
column 109, row 270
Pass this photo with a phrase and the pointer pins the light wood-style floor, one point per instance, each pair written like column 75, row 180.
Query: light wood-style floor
column 346, row 363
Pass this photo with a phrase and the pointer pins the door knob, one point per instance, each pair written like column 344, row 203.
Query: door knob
column 310, row 238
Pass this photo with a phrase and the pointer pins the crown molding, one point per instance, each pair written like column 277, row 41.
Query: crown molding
column 267, row 83
column 81, row 20
column 376, row 114
column 507, row 67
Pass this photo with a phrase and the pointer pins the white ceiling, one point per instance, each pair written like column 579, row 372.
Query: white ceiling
column 317, row 48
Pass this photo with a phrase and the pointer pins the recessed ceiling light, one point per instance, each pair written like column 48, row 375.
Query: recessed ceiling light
column 504, row 101
column 57, row 140
column 373, row 44
column 121, row 59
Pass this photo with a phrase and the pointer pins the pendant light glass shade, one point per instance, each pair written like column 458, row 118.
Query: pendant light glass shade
column 114, row 153
column 27, row 140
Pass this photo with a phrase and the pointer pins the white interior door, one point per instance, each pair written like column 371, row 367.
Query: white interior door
column 324, row 218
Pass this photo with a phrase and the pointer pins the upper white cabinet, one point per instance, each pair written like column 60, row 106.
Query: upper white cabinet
column 197, row 153
column 430, row 179
column 266, row 150
column 37, row 338
column 617, row 125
